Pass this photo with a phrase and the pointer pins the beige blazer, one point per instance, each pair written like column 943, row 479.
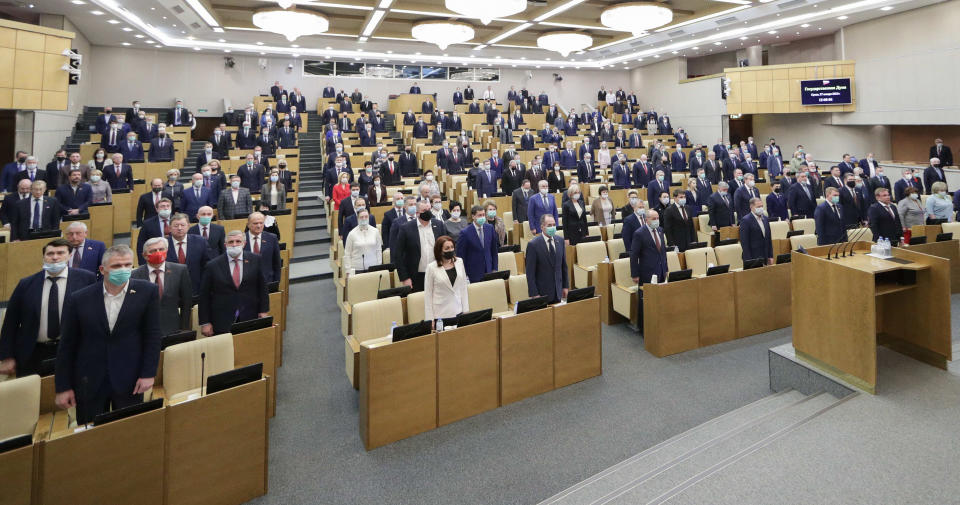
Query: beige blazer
column 440, row 299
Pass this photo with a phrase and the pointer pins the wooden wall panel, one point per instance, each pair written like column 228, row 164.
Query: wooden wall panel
column 776, row 88
column 912, row 143
column 36, row 54
column 29, row 74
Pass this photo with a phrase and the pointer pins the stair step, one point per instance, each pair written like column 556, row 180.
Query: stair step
column 309, row 268
column 310, row 250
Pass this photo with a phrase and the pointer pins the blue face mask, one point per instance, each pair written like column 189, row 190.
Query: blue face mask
column 412, row 210
column 119, row 276
column 550, row 231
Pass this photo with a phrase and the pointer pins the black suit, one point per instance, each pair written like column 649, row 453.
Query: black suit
column 145, row 208
column 215, row 237
column 407, row 257
column 21, row 224
column 575, row 226
column 546, row 273
column 945, row 155
column 720, row 212
column 222, row 303
column 679, row 231
column 9, row 207
column 885, row 224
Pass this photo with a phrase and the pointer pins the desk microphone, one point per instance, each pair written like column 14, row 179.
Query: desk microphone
column 203, row 359
column 840, row 245
column 855, row 240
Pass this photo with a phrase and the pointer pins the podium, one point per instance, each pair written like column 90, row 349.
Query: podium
column 902, row 303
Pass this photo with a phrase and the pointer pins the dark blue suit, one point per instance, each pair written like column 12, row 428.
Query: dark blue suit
column 799, row 203
column 90, row 256
column 721, row 214
column 754, row 243
column 621, row 175
column 131, row 154
column 741, row 200
column 198, row 253
column 568, row 160
column 646, row 260
column 160, row 153
column 222, row 303
column 546, row 274
column 882, row 224
column 100, row 364
column 191, row 204
column 641, row 177
column 653, row 192
column 270, row 263
column 486, row 183
column 900, row 186
column 829, row 226
column 630, row 225
column 536, row 208
column 777, row 206
column 124, row 180
column 18, row 336
column 679, row 161
column 478, row 258
column 70, row 200
column 215, row 238
column 152, row 227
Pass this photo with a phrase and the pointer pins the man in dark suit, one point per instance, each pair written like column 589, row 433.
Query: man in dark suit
column 119, row 175
column 173, row 285
column 835, row 180
column 31, row 331
column 801, row 198
column 586, row 169
column 51, row 172
column 266, row 245
column 546, row 263
column 486, row 181
column 408, row 164
column 415, row 89
column 221, row 141
column 74, row 198
column 213, row 233
column 9, row 206
column 105, row 120
column 191, row 251
column 427, row 107
column 633, row 219
column 906, row 182
column 267, row 142
column 158, row 226
column 396, row 211
column 511, row 180
column 540, row 204
column 829, row 219
column 478, row 246
column 854, row 202
column 131, row 149
column 411, row 240
column 420, row 129
column 884, row 219
column 648, row 257
column 720, row 208
column 777, row 202
column 743, row 195
column 112, row 137
column 85, row 253
column 246, row 137
column 251, row 175
column 147, row 203
column 37, row 213
column 179, row 115
column 879, row 180
column 148, row 130
column 329, row 92
column 161, row 147
column 209, row 154
column 678, row 223
column 932, row 174
column 287, row 135
column 196, row 196
column 655, row 188
column 755, row 240
column 110, row 340
column 233, row 288
column 520, row 198
column 941, row 152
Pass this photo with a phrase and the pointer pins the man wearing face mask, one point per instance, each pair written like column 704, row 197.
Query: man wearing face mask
column 147, row 130
column 196, row 196
column 477, row 245
column 829, row 219
column 32, row 172
column 541, row 204
column 879, row 180
column 391, row 216
column 743, row 195
column 74, row 197
column 213, row 233
column 158, row 226
column 777, row 202
column 119, row 174
column 209, row 154
column 633, row 219
column 246, row 137
column 235, row 201
column 53, row 168
column 148, row 202
column 251, row 175
column 678, row 223
column 103, row 366
column 755, row 240
column 648, row 257
column 191, row 251
column 414, row 246
column 9, row 206
column 853, row 202
column 31, row 328
column 102, row 124
column 161, row 146
column 546, row 263
column 408, row 164
column 179, row 115
column 350, row 222
column 942, row 152
column 37, row 213
column 933, row 174
column 233, row 288
column 174, row 286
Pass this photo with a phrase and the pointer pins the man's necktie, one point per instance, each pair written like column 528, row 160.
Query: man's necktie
column 656, row 238
column 889, row 210
column 236, row 273
column 256, row 245
column 550, row 247
column 53, row 310
column 181, row 257
column 836, row 211
column 166, row 229
column 76, row 258
column 158, row 279
column 204, row 233
column 36, row 214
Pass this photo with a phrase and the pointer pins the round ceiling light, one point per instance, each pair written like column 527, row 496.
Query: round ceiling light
column 636, row 17
column 564, row 42
column 285, row 4
column 442, row 33
column 486, row 10
column 291, row 23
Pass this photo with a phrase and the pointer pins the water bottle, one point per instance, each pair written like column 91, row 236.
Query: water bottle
column 439, row 324
column 393, row 326
column 886, row 247
column 606, row 259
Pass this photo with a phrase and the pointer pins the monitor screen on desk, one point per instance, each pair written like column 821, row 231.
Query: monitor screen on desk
column 116, row 415
column 234, row 378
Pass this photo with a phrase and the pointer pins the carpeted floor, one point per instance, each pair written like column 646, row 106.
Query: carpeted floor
column 521, row 453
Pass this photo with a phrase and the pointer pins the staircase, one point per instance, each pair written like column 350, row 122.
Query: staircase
column 667, row 469
column 312, row 244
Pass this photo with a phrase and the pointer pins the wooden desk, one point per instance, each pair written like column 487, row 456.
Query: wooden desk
column 910, row 317
column 670, row 327
column 526, row 355
column 119, row 462
column 259, row 346
column 101, row 222
column 468, row 364
column 16, row 475
column 716, row 311
column 398, row 390
column 763, row 299
column 602, row 279
column 578, row 345
column 949, row 249
column 217, row 448
column 124, row 206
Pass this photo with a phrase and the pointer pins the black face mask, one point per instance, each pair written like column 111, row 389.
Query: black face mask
column 426, row 215
column 448, row 255
column 22, row 159
column 61, row 158
column 851, row 184
column 777, row 190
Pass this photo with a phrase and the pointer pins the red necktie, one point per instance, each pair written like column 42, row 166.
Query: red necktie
column 158, row 275
column 181, row 258
column 256, row 245
column 656, row 238
column 166, row 229
column 205, row 233
column 236, row 273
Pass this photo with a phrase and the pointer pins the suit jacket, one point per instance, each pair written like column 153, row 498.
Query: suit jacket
column 882, row 224
column 777, row 206
column 122, row 181
column 161, row 153
column 575, row 226
column 546, row 273
column 197, row 255
column 680, row 232
column 654, row 188
column 246, row 141
column 854, row 206
column 18, row 335
column 642, row 176
column 190, row 204
column 741, row 200
column 479, row 258
column 92, row 356
column 646, row 259
column 70, row 200
column 134, row 153
column 799, row 203
column 270, row 262
column 176, row 302
column 226, row 207
column 9, row 207
column 223, row 145
column 251, row 178
column 720, row 214
column 584, row 172
column 145, row 208
column 215, row 238
column 945, row 155
column 222, row 303
column 406, row 257
column 486, row 184
column 38, row 175
column 900, row 186
column 932, row 175
column 49, row 217
column 754, row 242
column 90, row 256
column 536, row 208
column 829, row 227
column 152, row 227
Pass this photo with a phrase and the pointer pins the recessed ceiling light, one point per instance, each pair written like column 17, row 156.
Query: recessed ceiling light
column 819, row 28
column 389, row 52
column 125, row 43
column 778, row 36
column 294, row 45
column 149, row 41
column 771, row 32
column 196, row 48
column 226, row 50
column 221, row 40
column 127, row 29
column 259, row 43
column 138, row 36
column 174, row 25
column 743, row 38
column 716, row 43
column 262, row 53
column 96, row 13
column 113, row 22
column 676, row 52
column 164, row 17
column 297, row 55
column 805, row 25
column 841, row 18
column 887, row 8
column 328, row 48
column 656, row 56
column 77, row 2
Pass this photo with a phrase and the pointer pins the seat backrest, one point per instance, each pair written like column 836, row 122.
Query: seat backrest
column 698, row 259
column 374, row 318
column 807, row 226
column 415, row 309
column 953, row 228
column 507, row 261
column 21, row 406
column 593, row 231
column 867, row 234
column 490, row 294
column 591, row 253
column 807, row 241
column 363, row 287
column 386, row 255
column 778, row 229
column 621, row 272
column 615, row 247
column 508, row 219
column 704, row 222
column 181, row 362
column 527, row 232
column 731, row 254
column 673, row 261
column 518, row 288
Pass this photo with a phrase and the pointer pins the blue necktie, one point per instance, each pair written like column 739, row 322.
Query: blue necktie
column 36, row 215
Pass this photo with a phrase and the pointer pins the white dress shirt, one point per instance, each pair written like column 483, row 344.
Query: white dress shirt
column 427, row 241
column 44, row 298
column 112, row 304
column 363, row 249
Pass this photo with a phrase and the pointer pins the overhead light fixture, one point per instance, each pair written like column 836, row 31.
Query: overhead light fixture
column 703, row 18
column 509, row 32
column 285, row 4
column 203, row 12
column 291, row 23
column 138, row 36
column 127, row 29
column 362, row 40
column 96, row 13
column 636, row 17
column 887, row 8
column 442, row 33
column 125, row 43
column 772, row 32
column 805, row 25
column 841, row 18
column 486, row 10
column 558, row 10
column 564, row 42
column 384, row 4
column 113, row 22
column 372, row 24
column 744, row 38
column 695, row 48
column 716, row 43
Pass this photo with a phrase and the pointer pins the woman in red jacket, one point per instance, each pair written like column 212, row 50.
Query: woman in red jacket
column 341, row 191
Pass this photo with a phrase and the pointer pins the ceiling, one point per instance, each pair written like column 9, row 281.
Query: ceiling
column 699, row 27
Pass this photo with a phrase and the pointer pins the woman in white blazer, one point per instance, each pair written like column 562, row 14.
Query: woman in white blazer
column 445, row 283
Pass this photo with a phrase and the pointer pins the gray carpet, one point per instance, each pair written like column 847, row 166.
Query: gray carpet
column 521, row 453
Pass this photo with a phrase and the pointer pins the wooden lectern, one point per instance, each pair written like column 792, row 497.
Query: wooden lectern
column 843, row 307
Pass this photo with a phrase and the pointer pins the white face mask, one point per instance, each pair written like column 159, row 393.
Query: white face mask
column 543, row 191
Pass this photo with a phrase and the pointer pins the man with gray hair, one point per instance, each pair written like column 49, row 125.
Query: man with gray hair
column 37, row 213
column 110, row 340
column 233, row 288
column 85, row 253
column 173, row 284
